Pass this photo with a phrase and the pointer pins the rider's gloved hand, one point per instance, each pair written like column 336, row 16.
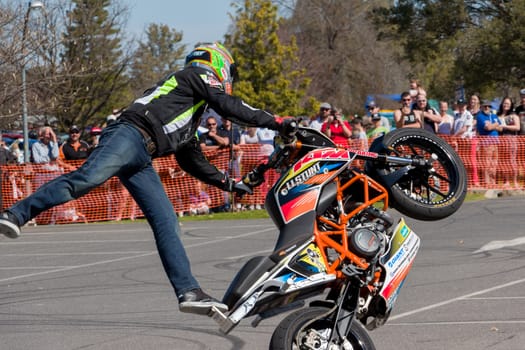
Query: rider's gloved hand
column 238, row 187
column 287, row 127
column 253, row 179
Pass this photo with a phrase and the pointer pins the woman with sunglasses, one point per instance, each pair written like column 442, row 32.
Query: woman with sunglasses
column 510, row 127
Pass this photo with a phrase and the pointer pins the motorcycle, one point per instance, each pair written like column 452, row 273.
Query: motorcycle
column 338, row 247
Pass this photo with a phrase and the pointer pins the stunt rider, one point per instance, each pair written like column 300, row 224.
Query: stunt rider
column 163, row 121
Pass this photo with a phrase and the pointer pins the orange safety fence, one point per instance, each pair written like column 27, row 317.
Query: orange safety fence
column 491, row 162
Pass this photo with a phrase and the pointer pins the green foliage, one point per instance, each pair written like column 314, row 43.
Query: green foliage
column 269, row 77
column 242, row 215
column 497, row 63
column 339, row 50
column 159, row 55
column 93, row 64
column 480, row 43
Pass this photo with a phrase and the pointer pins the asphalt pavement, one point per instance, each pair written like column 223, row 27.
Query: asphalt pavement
column 101, row 286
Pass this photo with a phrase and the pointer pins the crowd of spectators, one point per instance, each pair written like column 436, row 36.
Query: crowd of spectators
column 463, row 119
column 489, row 129
column 49, row 158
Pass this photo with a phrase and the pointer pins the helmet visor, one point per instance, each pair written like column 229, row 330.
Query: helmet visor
column 234, row 73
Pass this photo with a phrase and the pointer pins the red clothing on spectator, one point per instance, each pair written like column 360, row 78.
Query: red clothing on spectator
column 337, row 134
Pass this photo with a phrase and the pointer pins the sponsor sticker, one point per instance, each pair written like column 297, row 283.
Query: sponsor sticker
column 299, row 179
column 404, row 231
column 211, row 80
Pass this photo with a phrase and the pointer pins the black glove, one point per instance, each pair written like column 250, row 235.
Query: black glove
column 239, row 188
column 287, row 128
column 253, row 179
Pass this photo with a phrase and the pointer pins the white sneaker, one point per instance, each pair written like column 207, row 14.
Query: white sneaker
column 197, row 302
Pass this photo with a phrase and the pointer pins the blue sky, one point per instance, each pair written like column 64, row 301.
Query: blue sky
column 199, row 20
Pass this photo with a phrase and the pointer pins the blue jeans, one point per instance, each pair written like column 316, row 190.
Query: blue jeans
column 121, row 152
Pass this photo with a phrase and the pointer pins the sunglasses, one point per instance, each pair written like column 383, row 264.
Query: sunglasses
column 407, row 99
column 211, row 124
column 75, row 132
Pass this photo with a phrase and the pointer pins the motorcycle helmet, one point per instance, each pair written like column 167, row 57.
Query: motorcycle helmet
column 217, row 59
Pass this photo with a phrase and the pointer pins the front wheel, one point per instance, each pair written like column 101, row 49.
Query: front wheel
column 309, row 328
column 429, row 192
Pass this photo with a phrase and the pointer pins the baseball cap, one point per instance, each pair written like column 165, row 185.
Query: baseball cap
column 95, row 130
column 325, row 105
column 522, row 92
column 371, row 104
column 74, row 128
column 486, row 103
column 461, row 101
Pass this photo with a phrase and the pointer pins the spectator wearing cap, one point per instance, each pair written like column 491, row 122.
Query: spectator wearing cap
column 488, row 123
column 336, row 128
column 373, row 109
column 488, row 126
column 520, row 111
column 463, row 120
column 376, row 130
column 324, row 112
column 74, row 148
column 94, row 135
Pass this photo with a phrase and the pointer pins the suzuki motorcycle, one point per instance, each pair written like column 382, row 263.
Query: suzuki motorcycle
column 338, row 250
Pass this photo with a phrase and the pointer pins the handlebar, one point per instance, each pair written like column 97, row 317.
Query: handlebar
column 288, row 129
column 286, row 144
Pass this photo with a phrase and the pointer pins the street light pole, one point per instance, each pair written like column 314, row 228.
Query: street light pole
column 31, row 5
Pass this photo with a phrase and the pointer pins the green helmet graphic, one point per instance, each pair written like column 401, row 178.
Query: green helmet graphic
column 217, row 59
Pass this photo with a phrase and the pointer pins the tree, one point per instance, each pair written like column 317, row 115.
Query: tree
column 496, row 64
column 478, row 41
column 16, row 51
column 338, row 48
column 93, row 63
column 268, row 70
column 161, row 54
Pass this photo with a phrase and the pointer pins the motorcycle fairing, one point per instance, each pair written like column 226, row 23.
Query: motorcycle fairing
column 301, row 273
column 397, row 262
column 298, row 190
column 310, row 259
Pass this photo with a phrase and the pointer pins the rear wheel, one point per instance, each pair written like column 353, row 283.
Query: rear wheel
column 430, row 192
column 309, row 328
